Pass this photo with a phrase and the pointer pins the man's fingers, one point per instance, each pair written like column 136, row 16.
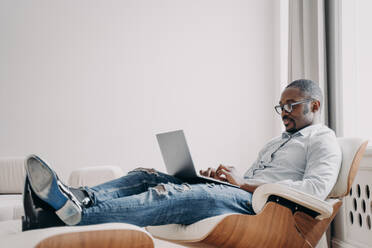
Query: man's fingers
column 213, row 173
column 227, row 168
column 210, row 172
column 222, row 167
column 205, row 172
column 223, row 172
column 228, row 176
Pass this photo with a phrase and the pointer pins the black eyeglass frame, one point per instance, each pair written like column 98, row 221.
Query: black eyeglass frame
column 288, row 107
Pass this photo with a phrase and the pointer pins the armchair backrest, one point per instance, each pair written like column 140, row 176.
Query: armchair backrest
column 352, row 153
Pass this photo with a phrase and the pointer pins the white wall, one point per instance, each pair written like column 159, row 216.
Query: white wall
column 87, row 83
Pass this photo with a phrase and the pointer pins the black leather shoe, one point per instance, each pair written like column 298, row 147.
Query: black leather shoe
column 47, row 187
column 38, row 214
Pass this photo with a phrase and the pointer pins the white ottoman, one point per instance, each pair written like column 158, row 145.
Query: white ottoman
column 11, row 207
column 12, row 178
column 103, row 235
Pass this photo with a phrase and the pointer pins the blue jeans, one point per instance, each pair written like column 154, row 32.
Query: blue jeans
column 145, row 197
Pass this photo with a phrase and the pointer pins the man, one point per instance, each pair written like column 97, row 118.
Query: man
column 306, row 156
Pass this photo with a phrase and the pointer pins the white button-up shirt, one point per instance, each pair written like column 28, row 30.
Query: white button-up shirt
column 308, row 160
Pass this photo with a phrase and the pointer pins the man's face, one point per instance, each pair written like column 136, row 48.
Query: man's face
column 302, row 114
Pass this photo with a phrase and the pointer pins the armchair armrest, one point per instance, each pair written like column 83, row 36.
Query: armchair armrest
column 263, row 192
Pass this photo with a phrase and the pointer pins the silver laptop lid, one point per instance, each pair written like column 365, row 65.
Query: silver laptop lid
column 176, row 154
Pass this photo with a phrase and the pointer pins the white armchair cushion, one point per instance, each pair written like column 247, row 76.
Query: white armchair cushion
column 11, row 207
column 349, row 147
column 193, row 233
column 92, row 176
column 12, row 175
column 263, row 192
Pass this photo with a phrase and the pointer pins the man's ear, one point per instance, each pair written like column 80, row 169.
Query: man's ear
column 315, row 106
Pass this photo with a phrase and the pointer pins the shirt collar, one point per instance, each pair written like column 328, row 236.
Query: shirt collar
column 302, row 132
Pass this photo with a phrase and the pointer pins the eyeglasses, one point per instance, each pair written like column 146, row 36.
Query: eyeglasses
column 289, row 106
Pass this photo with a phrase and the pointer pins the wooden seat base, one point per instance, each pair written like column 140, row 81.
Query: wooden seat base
column 99, row 239
column 276, row 226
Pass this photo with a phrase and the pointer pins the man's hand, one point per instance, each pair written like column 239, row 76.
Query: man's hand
column 224, row 173
column 230, row 174
column 210, row 172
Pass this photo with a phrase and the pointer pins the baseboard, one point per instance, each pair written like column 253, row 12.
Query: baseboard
column 336, row 243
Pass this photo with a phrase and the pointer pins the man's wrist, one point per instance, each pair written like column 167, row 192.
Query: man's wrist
column 249, row 187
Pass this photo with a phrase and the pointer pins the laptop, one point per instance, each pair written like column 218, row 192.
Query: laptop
column 178, row 161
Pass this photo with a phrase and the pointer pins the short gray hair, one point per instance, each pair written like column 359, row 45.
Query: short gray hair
column 308, row 88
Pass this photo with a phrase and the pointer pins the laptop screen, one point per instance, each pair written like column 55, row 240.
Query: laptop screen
column 176, row 154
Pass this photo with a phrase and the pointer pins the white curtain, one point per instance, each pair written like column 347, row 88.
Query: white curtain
column 307, row 44
column 307, row 55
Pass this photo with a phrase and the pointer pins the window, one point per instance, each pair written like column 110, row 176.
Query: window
column 357, row 68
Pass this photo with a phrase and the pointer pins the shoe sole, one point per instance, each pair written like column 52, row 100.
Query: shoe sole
column 45, row 184
column 43, row 181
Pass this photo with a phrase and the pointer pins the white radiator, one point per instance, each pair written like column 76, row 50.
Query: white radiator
column 352, row 226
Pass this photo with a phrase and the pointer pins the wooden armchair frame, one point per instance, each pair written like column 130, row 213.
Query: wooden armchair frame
column 282, row 222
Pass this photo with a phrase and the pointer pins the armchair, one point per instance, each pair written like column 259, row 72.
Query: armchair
column 284, row 217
